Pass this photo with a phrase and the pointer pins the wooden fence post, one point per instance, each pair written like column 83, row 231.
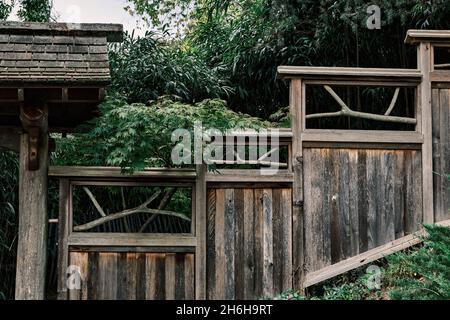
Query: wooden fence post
column 425, row 62
column 33, row 221
column 296, row 110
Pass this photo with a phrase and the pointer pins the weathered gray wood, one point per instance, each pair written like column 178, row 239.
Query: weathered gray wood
column 33, row 222
column 131, row 240
column 425, row 59
column 267, row 238
column 229, row 238
column 297, row 101
column 220, row 260
column 211, row 245
column 239, row 255
column 249, row 244
column 355, row 136
column 327, row 73
column 80, row 261
column 416, row 36
column 116, row 173
column 63, row 233
column 200, row 232
column 170, row 276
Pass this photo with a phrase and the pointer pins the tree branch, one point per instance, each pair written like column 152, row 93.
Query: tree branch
column 122, row 214
column 94, row 201
column 164, row 202
column 346, row 111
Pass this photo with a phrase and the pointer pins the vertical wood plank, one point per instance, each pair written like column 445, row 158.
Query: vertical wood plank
column 150, row 276
column 353, row 201
column 63, row 233
column 249, row 244
column 107, row 276
column 259, row 243
column 160, row 282
column 170, row 276
column 286, row 239
column 277, row 235
column 239, row 260
column 229, row 244
column 189, row 274
column 297, row 105
column 437, row 154
column 80, row 261
column 132, row 276
column 200, row 232
column 220, row 268
column 400, row 199
column 267, row 244
column 363, row 204
column 211, row 245
column 180, row 291
column 93, row 276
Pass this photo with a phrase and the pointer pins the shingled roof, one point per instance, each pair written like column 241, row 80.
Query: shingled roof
column 55, row 53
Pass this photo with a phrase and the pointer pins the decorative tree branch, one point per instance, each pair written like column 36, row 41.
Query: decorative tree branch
column 140, row 209
column 259, row 162
column 442, row 66
column 346, row 111
column 94, row 201
column 122, row 214
column 164, row 202
column 393, row 102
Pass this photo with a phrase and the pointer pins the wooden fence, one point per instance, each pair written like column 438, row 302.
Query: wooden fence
column 344, row 199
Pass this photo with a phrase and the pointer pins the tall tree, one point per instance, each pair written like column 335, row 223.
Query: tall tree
column 35, row 10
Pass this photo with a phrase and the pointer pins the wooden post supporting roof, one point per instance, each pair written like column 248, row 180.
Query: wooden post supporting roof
column 52, row 77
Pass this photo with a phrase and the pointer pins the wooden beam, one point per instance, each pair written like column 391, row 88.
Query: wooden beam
column 368, row 74
column 362, row 136
column 425, row 58
column 131, row 240
column 248, row 176
column 367, row 257
column 416, row 36
column 33, row 223
column 117, row 174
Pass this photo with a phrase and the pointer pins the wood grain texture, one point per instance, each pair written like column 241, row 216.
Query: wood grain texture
column 357, row 200
column 134, row 276
column 249, row 243
column 441, row 153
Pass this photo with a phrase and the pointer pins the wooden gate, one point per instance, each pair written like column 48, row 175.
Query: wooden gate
column 128, row 266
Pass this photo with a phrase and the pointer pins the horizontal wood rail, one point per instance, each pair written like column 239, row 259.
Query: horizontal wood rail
column 116, row 174
column 362, row 136
column 249, row 176
column 367, row 257
column 415, row 36
column 379, row 76
column 131, row 240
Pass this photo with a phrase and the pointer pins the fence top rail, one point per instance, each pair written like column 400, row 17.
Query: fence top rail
column 112, row 173
column 417, row 36
column 350, row 74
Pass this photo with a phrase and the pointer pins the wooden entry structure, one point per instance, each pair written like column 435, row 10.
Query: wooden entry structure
column 52, row 77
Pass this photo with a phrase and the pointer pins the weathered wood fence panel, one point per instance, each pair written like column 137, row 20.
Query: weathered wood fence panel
column 441, row 153
column 249, row 244
column 134, row 276
column 357, row 200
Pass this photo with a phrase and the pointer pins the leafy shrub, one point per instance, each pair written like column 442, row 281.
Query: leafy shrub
column 426, row 272
column 136, row 135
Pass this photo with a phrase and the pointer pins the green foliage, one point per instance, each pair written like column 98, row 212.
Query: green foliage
column 6, row 7
column 145, row 68
column 137, row 135
column 35, row 10
column 426, row 272
column 8, row 221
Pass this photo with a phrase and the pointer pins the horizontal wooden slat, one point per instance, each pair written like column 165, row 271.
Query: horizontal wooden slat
column 131, row 240
column 415, row 36
column 329, row 73
column 358, row 136
column 116, row 173
column 367, row 257
column 249, row 176
column 440, row 76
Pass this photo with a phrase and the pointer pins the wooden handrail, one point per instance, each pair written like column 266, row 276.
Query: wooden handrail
column 350, row 74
